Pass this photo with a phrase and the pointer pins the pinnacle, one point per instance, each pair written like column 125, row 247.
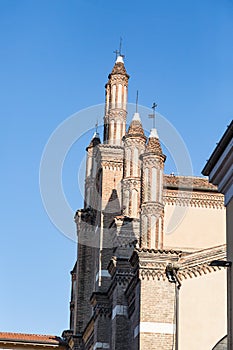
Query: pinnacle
column 153, row 144
column 95, row 140
column 135, row 127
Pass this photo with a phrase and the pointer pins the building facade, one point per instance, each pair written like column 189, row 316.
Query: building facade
column 135, row 284
column 219, row 168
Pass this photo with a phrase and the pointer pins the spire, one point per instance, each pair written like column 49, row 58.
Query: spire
column 95, row 140
column 153, row 145
column 135, row 128
column 119, row 68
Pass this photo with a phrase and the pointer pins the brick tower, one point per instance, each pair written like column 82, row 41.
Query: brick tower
column 125, row 283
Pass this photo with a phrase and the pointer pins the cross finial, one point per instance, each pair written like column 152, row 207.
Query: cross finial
column 118, row 52
column 152, row 116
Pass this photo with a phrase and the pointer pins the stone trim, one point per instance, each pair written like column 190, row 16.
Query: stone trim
column 99, row 345
column 103, row 273
column 119, row 310
column 154, row 327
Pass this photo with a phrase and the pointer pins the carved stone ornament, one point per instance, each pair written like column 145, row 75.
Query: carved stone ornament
column 135, row 141
column 149, row 160
column 118, row 79
column 129, row 184
column 152, row 209
column 115, row 114
column 112, row 165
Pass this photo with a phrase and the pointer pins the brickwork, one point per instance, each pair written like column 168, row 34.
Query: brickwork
column 121, row 296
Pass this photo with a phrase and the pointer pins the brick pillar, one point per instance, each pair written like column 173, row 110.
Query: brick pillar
column 121, row 272
column 152, row 208
column 154, row 314
column 85, row 272
column 134, row 142
column 102, row 323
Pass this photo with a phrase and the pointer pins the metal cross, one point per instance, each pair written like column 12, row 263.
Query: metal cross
column 152, row 116
column 118, row 52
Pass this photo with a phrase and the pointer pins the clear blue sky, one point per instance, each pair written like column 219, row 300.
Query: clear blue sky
column 55, row 58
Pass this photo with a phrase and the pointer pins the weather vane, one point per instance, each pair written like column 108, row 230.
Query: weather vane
column 118, row 52
column 152, row 116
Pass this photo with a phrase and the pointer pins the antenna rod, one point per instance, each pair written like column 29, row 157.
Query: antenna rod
column 137, row 102
column 120, row 46
column 96, row 125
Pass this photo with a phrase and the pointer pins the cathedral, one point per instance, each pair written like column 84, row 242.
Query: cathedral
column 136, row 286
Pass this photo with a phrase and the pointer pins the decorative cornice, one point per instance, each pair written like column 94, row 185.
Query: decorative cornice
column 115, row 113
column 112, row 165
column 193, row 198
column 151, row 264
column 152, row 208
column 105, row 146
column 198, row 263
column 101, row 306
column 134, row 140
column 150, row 160
column 130, row 183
